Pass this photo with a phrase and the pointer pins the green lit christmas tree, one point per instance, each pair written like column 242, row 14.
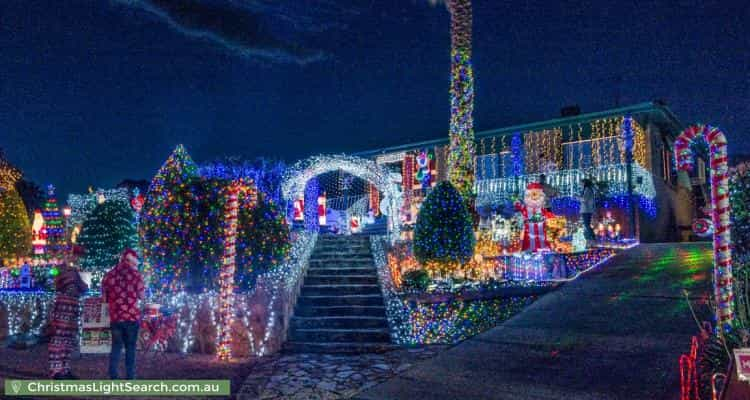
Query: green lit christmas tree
column 55, row 226
column 106, row 233
column 443, row 236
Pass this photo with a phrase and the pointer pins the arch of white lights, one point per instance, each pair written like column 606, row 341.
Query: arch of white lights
column 296, row 177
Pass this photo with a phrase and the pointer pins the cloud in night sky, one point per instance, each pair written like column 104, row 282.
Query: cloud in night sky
column 243, row 28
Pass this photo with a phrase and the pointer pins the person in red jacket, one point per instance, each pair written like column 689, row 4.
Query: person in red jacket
column 122, row 287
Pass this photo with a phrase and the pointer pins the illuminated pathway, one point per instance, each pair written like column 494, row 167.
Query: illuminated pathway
column 616, row 333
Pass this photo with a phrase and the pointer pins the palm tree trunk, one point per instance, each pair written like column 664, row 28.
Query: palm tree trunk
column 461, row 156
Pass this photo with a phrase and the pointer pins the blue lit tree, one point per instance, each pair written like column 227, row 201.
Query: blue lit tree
column 444, row 236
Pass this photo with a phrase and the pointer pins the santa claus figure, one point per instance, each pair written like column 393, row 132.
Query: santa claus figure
column 322, row 209
column 534, row 217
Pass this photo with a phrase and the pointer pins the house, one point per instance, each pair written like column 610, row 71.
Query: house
column 562, row 152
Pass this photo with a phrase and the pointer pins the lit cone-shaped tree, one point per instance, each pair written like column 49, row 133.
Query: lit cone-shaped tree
column 443, row 236
column 15, row 229
column 461, row 155
column 167, row 220
column 53, row 221
column 106, row 233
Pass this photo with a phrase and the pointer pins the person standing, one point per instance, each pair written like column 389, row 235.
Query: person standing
column 122, row 287
column 69, row 287
column 588, row 206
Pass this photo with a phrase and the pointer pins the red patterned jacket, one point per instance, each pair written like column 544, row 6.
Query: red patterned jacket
column 122, row 287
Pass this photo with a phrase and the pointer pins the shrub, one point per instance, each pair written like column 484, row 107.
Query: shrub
column 444, row 235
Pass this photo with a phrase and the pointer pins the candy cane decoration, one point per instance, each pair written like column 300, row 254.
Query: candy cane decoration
column 228, row 267
column 720, row 214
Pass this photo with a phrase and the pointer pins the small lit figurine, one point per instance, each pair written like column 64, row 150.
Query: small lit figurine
column 322, row 209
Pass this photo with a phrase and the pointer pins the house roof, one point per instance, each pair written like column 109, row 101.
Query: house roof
column 655, row 112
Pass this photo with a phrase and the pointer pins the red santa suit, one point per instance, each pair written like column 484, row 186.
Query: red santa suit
column 299, row 210
column 534, row 217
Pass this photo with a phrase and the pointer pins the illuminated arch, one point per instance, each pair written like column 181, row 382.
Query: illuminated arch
column 296, row 177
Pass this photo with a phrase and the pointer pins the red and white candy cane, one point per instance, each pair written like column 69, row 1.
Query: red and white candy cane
column 720, row 215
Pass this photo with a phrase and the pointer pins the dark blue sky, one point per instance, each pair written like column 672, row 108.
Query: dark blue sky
column 92, row 92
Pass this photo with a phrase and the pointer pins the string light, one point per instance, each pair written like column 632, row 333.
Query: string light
column 569, row 182
column 53, row 223
column 720, row 211
column 226, row 276
column 297, row 177
column 15, row 229
column 461, row 154
column 107, row 231
column 82, row 205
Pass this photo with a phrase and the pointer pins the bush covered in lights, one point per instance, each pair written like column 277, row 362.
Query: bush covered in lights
column 262, row 242
column 183, row 219
column 15, row 229
column 444, row 236
column 106, row 233
column 740, row 200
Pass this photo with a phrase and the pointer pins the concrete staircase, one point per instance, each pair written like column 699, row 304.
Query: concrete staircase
column 340, row 308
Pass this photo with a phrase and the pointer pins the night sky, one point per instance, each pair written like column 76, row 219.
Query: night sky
column 92, row 92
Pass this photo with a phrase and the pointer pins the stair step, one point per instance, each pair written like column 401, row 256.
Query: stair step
column 366, row 279
column 338, row 348
column 339, row 311
column 351, row 322
column 342, row 271
column 340, row 335
column 338, row 290
column 348, row 300
column 322, row 262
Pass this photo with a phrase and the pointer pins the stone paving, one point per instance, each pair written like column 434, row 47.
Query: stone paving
column 326, row 376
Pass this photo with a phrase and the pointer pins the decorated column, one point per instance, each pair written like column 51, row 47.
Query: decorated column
column 461, row 154
column 228, row 267
column 720, row 211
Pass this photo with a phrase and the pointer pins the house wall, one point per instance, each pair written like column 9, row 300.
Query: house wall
column 674, row 202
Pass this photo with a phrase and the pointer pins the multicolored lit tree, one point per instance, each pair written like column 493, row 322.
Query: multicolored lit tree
column 106, row 233
column 183, row 222
column 167, row 220
column 461, row 155
column 444, row 235
column 15, row 229
column 53, row 222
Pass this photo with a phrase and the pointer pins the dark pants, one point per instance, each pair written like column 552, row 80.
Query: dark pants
column 123, row 333
column 588, row 232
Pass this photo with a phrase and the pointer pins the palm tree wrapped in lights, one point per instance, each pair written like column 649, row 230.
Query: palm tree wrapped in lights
column 461, row 156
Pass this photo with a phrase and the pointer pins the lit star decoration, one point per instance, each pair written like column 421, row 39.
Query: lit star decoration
column 720, row 214
column 461, row 154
